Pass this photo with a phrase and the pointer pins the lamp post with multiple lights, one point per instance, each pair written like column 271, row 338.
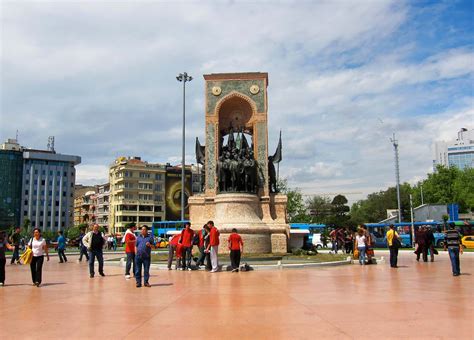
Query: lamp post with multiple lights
column 183, row 77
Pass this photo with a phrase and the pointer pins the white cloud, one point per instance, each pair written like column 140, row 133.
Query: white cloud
column 101, row 77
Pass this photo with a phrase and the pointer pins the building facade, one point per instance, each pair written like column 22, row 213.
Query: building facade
column 137, row 193
column 103, row 195
column 79, row 193
column 11, row 170
column 48, row 189
column 46, row 181
column 458, row 152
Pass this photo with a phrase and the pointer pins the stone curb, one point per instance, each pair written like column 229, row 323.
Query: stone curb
column 278, row 266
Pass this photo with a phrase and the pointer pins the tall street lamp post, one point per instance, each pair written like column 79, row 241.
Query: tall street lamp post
column 183, row 77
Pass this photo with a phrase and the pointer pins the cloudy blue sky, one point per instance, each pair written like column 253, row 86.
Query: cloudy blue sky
column 344, row 75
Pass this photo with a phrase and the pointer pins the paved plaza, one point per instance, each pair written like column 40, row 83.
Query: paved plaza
column 417, row 300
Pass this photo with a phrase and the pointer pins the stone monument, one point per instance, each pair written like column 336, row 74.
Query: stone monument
column 239, row 189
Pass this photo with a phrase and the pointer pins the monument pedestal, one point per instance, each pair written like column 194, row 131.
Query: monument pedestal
column 260, row 221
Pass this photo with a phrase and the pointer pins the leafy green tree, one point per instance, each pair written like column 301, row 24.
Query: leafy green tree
column 26, row 224
column 374, row 207
column 439, row 186
column 319, row 207
column 295, row 206
column 72, row 233
column 464, row 190
column 339, row 211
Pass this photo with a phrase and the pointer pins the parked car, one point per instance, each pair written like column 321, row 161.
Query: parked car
column 316, row 241
column 468, row 242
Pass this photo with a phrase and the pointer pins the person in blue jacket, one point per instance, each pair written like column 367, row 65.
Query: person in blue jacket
column 61, row 247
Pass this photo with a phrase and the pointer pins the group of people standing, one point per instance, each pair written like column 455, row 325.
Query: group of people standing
column 364, row 243
column 425, row 242
column 207, row 241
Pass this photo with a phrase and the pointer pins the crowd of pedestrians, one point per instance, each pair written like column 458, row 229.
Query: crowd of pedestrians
column 180, row 249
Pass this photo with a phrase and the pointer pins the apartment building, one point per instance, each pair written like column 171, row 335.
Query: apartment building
column 137, row 193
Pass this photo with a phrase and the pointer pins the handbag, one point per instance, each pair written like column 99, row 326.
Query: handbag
column 370, row 252
column 27, row 256
column 396, row 241
column 356, row 253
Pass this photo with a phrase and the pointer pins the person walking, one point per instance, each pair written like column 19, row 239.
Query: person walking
column 430, row 243
column 15, row 240
column 333, row 236
column 421, row 242
column 452, row 241
column 173, row 243
column 236, row 247
column 186, row 240
column 82, row 247
column 3, row 245
column 361, row 245
column 61, row 247
column 94, row 241
column 213, row 247
column 143, row 257
column 130, row 241
column 39, row 248
column 393, row 245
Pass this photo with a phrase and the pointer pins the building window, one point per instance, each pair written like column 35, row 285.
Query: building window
column 157, row 208
column 57, row 203
column 27, row 181
column 144, row 175
column 26, row 192
column 58, row 173
column 158, row 198
column 43, row 172
column 158, row 177
column 26, row 202
column 27, row 171
column 51, row 172
column 145, row 186
column 36, row 172
column 158, row 187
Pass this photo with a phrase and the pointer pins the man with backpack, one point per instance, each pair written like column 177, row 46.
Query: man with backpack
column 94, row 241
column 393, row 245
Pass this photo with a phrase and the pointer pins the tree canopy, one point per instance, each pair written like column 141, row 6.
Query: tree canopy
column 444, row 186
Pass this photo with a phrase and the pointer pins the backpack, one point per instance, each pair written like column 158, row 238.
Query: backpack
column 245, row 267
column 195, row 240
